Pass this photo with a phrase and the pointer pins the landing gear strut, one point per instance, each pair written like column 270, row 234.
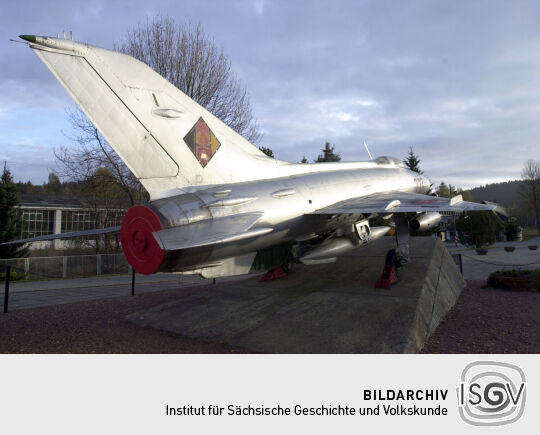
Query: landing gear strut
column 402, row 238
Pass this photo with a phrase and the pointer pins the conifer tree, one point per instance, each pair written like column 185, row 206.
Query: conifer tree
column 328, row 154
column 10, row 222
column 267, row 151
column 412, row 161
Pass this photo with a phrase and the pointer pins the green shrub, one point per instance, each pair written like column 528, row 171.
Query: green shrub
column 512, row 229
column 13, row 276
column 500, row 278
column 478, row 229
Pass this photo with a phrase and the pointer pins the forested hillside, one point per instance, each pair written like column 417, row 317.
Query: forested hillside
column 505, row 193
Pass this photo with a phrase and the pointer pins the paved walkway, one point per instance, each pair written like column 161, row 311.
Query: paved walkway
column 33, row 294
column 478, row 267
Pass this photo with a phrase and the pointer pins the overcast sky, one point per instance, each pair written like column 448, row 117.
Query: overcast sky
column 458, row 81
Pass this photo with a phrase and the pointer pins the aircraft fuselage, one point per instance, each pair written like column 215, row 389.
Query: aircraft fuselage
column 285, row 204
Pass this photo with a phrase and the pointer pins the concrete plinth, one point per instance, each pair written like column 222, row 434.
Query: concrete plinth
column 330, row 308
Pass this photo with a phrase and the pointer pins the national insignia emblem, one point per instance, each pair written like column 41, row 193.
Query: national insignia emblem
column 202, row 142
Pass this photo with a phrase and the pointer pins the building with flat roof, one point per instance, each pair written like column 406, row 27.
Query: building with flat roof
column 55, row 214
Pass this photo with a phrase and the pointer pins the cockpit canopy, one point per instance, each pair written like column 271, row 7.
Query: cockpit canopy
column 389, row 160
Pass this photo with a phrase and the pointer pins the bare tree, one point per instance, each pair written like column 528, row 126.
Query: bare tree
column 529, row 189
column 94, row 153
column 106, row 205
column 190, row 60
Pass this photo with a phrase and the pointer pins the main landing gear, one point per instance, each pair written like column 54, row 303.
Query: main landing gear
column 396, row 257
column 389, row 276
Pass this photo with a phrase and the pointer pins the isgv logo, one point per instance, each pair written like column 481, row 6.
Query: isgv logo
column 491, row 393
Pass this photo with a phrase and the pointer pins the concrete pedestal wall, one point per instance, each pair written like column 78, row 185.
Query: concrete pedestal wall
column 329, row 308
column 442, row 285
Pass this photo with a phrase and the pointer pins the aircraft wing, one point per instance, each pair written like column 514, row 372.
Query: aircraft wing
column 94, row 232
column 401, row 202
column 214, row 231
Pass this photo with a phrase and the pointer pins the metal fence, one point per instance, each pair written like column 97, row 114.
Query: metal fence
column 67, row 266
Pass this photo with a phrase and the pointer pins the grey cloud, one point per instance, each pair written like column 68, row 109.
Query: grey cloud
column 458, row 81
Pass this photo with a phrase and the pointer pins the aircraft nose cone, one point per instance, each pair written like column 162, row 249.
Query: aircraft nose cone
column 29, row 38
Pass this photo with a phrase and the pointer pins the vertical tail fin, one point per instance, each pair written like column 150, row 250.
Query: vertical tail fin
column 166, row 139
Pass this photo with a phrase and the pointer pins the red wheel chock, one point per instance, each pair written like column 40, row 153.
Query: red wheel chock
column 388, row 276
column 273, row 274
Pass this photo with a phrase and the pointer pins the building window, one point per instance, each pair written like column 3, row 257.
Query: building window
column 77, row 221
column 109, row 218
column 37, row 223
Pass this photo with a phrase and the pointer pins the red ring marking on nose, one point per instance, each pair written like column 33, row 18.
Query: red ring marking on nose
column 140, row 247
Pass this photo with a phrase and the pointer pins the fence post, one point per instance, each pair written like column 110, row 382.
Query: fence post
column 98, row 265
column 27, row 267
column 6, row 291
column 64, row 267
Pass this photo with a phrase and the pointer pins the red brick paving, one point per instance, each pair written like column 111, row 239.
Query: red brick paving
column 487, row 320
column 98, row 326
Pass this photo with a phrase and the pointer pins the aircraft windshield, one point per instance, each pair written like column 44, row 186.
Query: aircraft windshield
column 388, row 160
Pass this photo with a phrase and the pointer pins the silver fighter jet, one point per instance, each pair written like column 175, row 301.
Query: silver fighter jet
column 216, row 201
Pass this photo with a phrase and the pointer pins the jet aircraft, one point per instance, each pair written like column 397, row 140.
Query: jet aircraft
column 216, row 201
